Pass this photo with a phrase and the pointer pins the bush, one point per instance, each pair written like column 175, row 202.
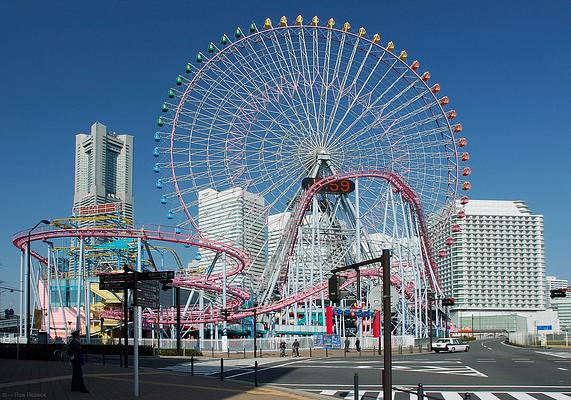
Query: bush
column 468, row 338
column 173, row 352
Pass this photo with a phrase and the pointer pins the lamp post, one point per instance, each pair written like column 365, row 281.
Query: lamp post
column 430, row 298
column 29, row 330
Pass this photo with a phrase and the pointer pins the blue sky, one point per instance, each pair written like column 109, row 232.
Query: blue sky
column 506, row 67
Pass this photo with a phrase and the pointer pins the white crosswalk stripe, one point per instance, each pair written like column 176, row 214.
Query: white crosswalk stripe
column 558, row 354
column 446, row 395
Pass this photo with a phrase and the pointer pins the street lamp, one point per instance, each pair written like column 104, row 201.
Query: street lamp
column 29, row 322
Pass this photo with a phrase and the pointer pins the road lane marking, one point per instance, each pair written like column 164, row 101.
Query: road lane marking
column 521, row 396
column 262, row 369
column 452, row 396
column 559, row 354
column 557, row 396
column 562, row 369
column 486, row 396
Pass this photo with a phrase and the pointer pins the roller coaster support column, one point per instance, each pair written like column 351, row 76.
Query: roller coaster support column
column 49, row 294
column 255, row 330
column 358, row 259
column 387, row 360
column 201, row 331
column 225, row 323
column 21, row 328
column 139, row 320
column 126, row 323
column 28, row 320
column 177, row 300
column 136, row 329
column 79, row 277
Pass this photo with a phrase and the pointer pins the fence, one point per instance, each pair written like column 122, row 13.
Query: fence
column 543, row 340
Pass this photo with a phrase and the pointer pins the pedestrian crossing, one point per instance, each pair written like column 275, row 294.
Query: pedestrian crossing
column 446, row 395
column 558, row 354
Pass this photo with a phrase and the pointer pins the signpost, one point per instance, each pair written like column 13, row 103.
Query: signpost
column 147, row 293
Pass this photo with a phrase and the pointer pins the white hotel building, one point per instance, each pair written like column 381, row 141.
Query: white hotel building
column 496, row 265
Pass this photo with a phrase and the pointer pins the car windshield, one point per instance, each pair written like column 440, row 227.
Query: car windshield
column 442, row 341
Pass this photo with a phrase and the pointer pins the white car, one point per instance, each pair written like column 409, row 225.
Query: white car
column 449, row 344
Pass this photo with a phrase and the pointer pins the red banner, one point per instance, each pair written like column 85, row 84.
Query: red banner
column 377, row 324
column 329, row 319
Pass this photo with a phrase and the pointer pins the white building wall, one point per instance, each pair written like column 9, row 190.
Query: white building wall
column 497, row 260
column 238, row 218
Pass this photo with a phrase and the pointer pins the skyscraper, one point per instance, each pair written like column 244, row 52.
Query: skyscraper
column 237, row 218
column 103, row 172
column 496, row 262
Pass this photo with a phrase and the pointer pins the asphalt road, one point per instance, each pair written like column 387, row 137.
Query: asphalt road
column 491, row 370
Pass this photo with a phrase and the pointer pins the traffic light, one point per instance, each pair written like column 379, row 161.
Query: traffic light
column 558, row 293
column 448, row 301
column 334, row 292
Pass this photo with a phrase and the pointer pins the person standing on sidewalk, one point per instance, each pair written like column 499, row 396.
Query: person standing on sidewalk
column 76, row 357
column 358, row 345
column 295, row 348
column 347, row 344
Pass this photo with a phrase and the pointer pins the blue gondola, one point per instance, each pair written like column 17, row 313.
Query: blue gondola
column 156, row 152
column 164, row 199
column 159, row 184
column 177, row 229
column 157, row 137
column 169, row 215
column 156, row 168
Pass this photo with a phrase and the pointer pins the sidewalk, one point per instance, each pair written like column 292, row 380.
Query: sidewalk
column 52, row 380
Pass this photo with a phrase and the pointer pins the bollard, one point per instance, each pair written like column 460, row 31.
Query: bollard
column 373, row 350
column 221, row 369
column 310, row 352
column 419, row 392
column 228, row 352
column 191, row 365
column 411, row 349
column 400, row 349
column 212, row 351
column 356, row 386
column 261, row 352
column 244, row 352
column 420, row 348
column 326, row 354
column 256, row 373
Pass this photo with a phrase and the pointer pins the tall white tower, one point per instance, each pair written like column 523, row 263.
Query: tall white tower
column 103, row 172
column 235, row 217
column 496, row 263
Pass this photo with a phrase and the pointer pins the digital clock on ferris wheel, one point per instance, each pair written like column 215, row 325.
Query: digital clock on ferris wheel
column 341, row 186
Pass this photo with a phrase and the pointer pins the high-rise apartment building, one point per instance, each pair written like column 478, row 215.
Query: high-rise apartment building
column 552, row 282
column 496, row 263
column 103, row 172
column 237, row 218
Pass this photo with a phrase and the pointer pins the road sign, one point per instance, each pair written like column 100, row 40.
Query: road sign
column 116, row 278
column 544, row 327
column 148, row 294
column 116, row 286
column 155, row 276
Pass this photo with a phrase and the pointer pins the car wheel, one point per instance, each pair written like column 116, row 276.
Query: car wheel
column 452, row 349
column 437, row 351
column 466, row 349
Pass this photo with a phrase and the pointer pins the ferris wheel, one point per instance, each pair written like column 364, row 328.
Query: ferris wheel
column 263, row 108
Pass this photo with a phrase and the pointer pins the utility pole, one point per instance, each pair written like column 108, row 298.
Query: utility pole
column 177, row 301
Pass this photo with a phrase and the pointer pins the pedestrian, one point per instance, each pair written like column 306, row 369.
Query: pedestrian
column 347, row 344
column 282, row 348
column 295, row 348
column 358, row 345
column 76, row 357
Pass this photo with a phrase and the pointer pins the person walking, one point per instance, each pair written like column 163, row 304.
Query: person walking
column 76, row 357
column 282, row 348
column 347, row 344
column 295, row 348
column 358, row 345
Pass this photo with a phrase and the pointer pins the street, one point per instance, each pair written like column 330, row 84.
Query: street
column 491, row 370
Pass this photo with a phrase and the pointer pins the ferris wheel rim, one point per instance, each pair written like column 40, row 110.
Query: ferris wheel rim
column 453, row 177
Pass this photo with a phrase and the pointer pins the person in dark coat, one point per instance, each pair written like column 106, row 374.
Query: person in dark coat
column 76, row 357
column 358, row 345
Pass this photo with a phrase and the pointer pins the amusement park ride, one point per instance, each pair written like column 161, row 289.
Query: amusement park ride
column 337, row 132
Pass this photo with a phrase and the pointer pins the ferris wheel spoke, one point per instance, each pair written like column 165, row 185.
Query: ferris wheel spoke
column 342, row 89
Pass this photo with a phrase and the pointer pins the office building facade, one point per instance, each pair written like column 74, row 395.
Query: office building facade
column 103, row 173
column 237, row 218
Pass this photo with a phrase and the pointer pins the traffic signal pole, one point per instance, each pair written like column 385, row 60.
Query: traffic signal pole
column 387, row 358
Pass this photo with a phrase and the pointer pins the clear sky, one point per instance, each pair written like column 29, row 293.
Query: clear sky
column 506, row 66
